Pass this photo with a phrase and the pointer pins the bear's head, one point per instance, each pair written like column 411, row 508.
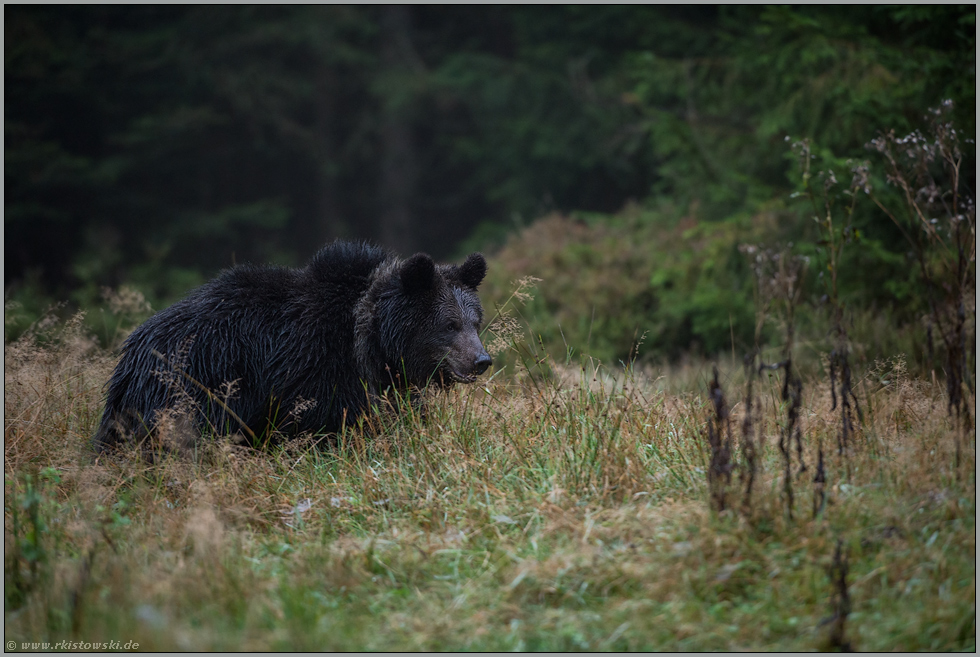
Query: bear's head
column 425, row 323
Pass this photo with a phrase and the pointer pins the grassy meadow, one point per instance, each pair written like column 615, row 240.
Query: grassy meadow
column 553, row 506
column 684, row 181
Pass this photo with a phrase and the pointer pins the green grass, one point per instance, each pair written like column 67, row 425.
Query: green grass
column 553, row 508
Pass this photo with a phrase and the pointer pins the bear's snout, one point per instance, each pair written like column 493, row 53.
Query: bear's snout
column 482, row 363
column 467, row 358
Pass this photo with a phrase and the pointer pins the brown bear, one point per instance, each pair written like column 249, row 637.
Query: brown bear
column 266, row 350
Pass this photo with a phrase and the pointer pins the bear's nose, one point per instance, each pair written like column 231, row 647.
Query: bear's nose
column 482, row 363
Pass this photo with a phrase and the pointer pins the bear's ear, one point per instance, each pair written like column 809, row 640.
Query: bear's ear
column 473, row 270
column 418, row 273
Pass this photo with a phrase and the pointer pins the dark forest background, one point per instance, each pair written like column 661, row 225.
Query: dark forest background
column 151, row 146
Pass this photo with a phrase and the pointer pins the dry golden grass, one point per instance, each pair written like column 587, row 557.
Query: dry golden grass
column 556, row 507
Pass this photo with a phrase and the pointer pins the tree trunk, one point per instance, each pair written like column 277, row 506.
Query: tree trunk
column 329, row 223
column 399, row 164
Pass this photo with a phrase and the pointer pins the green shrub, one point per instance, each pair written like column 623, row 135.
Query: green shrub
column 638, row 284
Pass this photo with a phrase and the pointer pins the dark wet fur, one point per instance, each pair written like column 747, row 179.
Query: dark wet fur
column 338, row 332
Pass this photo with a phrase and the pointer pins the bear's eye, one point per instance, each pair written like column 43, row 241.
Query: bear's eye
column 453, row 326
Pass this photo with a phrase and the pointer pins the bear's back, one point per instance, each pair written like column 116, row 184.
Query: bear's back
column 350, row 264
column 336, row 276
